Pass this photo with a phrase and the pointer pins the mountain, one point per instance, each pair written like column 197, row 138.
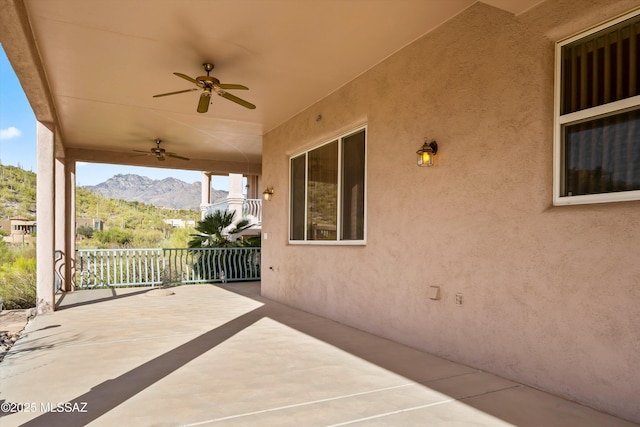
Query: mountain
column 169, row 192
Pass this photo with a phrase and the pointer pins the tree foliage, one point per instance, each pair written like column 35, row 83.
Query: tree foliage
column 17, row 277
column 85, row 231
column 114, row 237
column 139, row 225
column 215, row 231
column 17, row 193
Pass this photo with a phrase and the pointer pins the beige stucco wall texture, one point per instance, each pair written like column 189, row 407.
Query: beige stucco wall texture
column 550, row 294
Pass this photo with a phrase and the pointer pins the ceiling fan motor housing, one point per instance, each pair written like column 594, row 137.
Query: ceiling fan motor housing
column 207, row 81
column 209, row 85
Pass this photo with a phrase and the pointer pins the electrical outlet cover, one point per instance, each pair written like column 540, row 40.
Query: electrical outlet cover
column 434, row 292
column 458, row 299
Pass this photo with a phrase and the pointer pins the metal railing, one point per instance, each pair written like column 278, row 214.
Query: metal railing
column 220, row 205
column 156, row 266
column 57, row 267
column 251, row 208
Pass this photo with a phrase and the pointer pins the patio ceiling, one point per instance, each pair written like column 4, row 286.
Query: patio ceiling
column 94, row 67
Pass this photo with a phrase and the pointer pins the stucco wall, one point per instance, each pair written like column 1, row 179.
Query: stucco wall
column 551, row 294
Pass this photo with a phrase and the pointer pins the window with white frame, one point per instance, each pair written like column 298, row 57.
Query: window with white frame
column 327, row 194
column 597, row 134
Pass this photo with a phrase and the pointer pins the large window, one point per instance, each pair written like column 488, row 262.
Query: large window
column 328, row 192
column 597, row 137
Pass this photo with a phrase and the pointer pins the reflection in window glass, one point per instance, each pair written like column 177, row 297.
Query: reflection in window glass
column 322, row 193
column 603, row 155
column 353, row 187
column 327, row 200
column 297, row 193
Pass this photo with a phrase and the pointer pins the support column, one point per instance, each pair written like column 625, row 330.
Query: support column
column 60, row 230
column 205, row 190
column 70, row 218
column 45, row 243
column 252, row 187
column 259, row 188
column 235, row 198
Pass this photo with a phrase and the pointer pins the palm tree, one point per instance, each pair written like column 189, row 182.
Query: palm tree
column 212, row 234
column 211, row 231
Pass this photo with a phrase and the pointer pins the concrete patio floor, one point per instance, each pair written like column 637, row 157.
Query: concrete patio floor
column 223, row 355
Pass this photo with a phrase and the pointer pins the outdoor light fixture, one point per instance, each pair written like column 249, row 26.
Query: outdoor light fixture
column 426, row 153
column 268, row 193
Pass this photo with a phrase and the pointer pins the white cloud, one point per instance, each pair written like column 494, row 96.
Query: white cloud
column 10, row 132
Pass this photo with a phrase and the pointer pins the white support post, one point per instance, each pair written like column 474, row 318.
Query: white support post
column 235, row 198
column 205, row 200
column 45, row 208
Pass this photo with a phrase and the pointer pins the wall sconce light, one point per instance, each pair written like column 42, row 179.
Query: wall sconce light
column 267, row 194
column 426, row 153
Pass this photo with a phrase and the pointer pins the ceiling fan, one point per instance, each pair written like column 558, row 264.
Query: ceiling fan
column 210, row 85
column 160, row 153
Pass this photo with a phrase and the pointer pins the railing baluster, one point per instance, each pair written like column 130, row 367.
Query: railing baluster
column 127, row 254
column 172, row 265
column 152, row 255
column 79, row 278
column 107, row 270
column 137, row 267
column 95, row 269
column 184, row 274
column 146, row 266
column 190, row 270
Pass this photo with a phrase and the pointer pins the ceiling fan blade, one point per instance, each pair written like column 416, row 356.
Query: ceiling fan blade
column 184, row 76
column 176, row 156
column 237, row 100
column 175, row 93
column 140, row 151
column 203, row 104
column 231, row 86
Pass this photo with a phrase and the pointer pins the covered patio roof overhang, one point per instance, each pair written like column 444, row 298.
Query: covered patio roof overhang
column 91, row 69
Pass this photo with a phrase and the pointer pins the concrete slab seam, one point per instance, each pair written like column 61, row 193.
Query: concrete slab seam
column 298, row 405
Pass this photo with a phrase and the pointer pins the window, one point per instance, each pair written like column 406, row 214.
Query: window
column 328, row 192
column 597, row 133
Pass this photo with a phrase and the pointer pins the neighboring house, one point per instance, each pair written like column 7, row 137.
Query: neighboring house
column 5, row 226
column 95, row 224
column 236, row 201
column 180, row 223
column 537, row 123
column 20, row 231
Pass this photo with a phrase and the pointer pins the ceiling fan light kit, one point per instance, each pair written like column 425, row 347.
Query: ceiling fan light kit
column 209, row 85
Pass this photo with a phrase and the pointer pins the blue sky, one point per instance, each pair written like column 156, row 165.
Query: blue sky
column 18, row 140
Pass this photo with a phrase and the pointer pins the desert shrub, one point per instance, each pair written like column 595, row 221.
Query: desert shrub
column 17, row 277
column 86, row 231
column 114, row 236
column 177, row 238
column 144, row 238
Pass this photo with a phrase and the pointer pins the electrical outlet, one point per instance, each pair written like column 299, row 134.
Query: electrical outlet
column 458, row 299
